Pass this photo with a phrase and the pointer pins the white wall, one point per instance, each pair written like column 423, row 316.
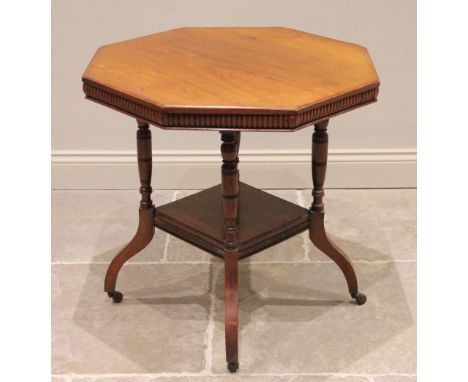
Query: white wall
column 371, row 147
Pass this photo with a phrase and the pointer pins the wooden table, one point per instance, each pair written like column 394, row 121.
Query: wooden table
column 232, row 80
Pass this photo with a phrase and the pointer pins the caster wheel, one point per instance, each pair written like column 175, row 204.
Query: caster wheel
column 115, row 296
column 233, row 366
column 360, row 298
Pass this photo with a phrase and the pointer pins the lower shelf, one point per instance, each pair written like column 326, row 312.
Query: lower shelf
column 263, row 220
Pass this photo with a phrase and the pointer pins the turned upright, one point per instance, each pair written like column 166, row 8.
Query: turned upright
column 230, row 190
column 232, row 80
column 317, row 232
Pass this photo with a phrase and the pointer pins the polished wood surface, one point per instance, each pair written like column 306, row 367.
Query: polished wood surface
column 231, row 308
column 230, row 189
column 239, row 78
column 232, row 220
column 263, row 220
column 145, row 231
column 317, row 233
column 232, row 80
column 230, row 194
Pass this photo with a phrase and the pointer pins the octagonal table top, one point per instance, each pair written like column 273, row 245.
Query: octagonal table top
column 232, row 78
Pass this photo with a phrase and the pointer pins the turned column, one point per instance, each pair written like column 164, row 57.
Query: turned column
column 317, row 231
column 319, row 164
column 145, row 231
column 230, row 195
column 238, row 139
column 230, row 188
column 145, row 164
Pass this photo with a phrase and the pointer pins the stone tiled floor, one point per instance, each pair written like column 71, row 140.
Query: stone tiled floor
column 297, row 322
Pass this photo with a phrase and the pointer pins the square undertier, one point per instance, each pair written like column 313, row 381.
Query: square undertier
column 263, row 220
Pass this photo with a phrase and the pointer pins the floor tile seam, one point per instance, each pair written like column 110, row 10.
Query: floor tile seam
column 203, row 373
column 305, row 241
column 62, row 377
column 391, row 190
column 168, row 237
column 241, row 263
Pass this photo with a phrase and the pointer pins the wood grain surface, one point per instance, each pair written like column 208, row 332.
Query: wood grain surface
column 219, row 77
column 263, row 220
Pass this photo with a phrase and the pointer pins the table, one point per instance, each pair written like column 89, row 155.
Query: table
column 232, row 80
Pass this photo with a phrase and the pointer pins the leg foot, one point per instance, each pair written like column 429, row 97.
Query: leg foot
column 230, row 194
column 116, row 296
column 231, row 301
column 141, row 239
column 320, row 239
column 359, row 297
column 317, row 233
column 233, row 366
column 145, row 230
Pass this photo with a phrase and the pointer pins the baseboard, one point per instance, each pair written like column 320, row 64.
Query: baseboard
column 383, row 168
